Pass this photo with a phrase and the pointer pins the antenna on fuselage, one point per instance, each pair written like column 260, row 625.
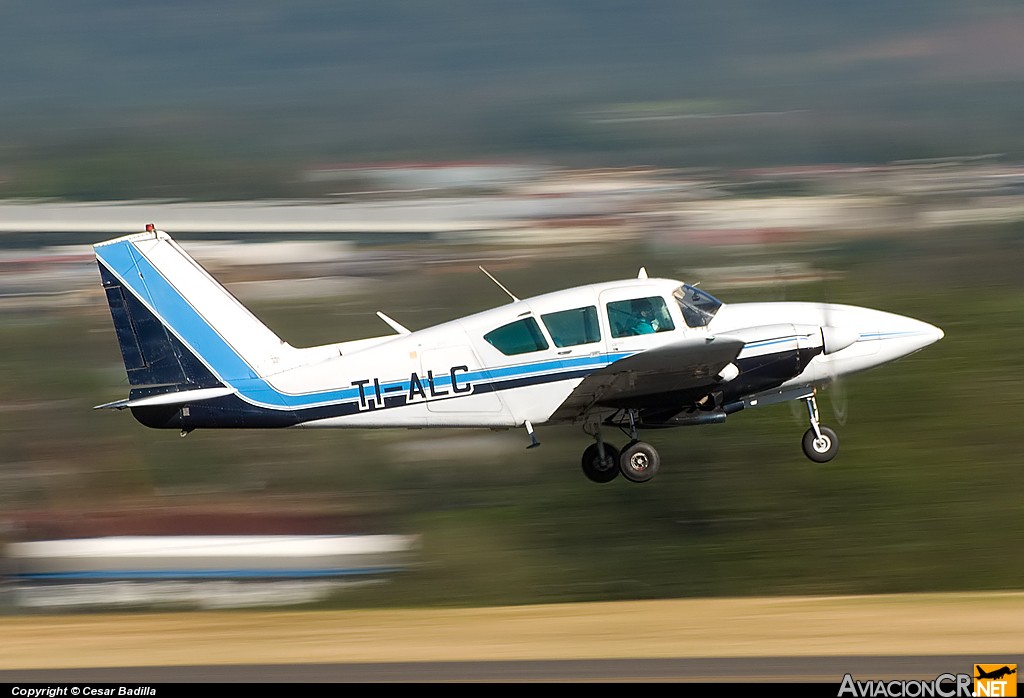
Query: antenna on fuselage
column 510, row 294
column 642, row 274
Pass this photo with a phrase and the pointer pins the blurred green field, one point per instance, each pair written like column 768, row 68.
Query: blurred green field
column 922, row 496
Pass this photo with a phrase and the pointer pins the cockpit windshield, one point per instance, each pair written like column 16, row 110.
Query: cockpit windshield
column 698, row 307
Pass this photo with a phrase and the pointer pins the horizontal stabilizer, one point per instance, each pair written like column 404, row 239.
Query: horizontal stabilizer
column 176, row 398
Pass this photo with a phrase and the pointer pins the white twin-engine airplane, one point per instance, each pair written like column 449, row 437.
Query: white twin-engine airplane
column 629, row 354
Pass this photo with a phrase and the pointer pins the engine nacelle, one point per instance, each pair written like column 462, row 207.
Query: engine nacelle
column 774, row 354
column 776, row 337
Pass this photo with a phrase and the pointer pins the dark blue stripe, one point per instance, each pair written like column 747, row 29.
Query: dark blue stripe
column 211, row 574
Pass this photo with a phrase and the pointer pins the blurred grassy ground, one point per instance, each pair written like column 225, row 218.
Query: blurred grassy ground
column 921, row 498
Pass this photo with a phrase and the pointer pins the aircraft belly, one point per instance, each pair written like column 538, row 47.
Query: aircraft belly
column 412, row 417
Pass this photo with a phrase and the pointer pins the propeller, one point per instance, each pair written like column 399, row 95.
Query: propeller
column 836, row 338
column 839, row 400
column 797, row 412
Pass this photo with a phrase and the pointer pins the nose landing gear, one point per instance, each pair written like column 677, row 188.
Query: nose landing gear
column 820, row 444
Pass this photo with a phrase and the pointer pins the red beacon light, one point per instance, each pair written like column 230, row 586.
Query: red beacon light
column 150, row 228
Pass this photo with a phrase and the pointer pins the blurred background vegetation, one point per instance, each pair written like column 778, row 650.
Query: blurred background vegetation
column 114, row 100
column 922, row 496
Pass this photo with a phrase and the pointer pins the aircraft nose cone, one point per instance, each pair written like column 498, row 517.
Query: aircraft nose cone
column 926, row 334
column 903, row 335
column 935, row 333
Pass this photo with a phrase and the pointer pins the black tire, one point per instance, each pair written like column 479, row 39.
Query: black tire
column 639, row 461
column 595, row 470
column 824, row 450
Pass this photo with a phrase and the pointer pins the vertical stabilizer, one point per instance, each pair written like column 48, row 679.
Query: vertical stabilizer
column 175, row 323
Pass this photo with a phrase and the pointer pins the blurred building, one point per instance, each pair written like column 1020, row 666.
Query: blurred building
column 425, row 176
column 232, row 563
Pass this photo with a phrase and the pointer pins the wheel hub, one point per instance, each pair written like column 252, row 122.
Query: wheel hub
column 639, row 462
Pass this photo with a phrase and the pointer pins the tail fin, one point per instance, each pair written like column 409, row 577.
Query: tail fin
column 175, row 323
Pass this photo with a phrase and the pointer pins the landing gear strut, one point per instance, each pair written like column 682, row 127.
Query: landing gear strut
column 820, row 443
column 600, row 459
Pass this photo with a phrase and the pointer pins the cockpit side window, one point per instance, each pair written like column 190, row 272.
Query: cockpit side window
column 570, row 328
column 519, row 337
column 639, row 316
column 698, row 307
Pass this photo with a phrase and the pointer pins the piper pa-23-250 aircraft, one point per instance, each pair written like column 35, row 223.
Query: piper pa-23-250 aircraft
column 634, row 354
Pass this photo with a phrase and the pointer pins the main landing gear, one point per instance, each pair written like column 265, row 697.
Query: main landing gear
column 820, row 443
column 637, row 462
column 601, row 462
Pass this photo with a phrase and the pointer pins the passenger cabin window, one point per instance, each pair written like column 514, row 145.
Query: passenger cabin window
column 519, row 337
column 698, row 307
column 570, row 328
column 639, row 316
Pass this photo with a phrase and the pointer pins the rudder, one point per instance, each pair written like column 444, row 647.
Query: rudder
column 152, row 356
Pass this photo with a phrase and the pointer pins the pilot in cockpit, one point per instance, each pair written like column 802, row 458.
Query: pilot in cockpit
column 644, row 321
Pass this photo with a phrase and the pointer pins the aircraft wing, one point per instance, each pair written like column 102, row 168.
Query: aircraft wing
column 668, row 375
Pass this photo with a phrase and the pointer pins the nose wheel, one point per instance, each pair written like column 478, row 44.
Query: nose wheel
column 820, row 443
column 823, row 448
